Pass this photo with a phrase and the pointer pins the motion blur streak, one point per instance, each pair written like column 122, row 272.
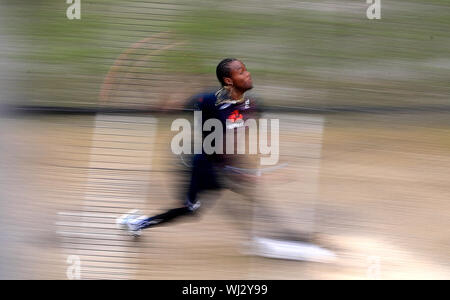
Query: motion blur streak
column 86, row 107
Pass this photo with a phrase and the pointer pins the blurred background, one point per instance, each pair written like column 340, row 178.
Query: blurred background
column 86, row 107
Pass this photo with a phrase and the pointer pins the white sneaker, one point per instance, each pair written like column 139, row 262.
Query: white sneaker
column 135, row 225
column 290, row 250
column 122, row 221
column 131, row 221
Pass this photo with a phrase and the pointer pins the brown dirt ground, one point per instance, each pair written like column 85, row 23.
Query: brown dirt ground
column 381, row 203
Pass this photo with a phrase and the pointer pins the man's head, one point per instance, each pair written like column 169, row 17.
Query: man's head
column 233, row 73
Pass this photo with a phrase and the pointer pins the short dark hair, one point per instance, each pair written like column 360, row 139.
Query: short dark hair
column 223, row 69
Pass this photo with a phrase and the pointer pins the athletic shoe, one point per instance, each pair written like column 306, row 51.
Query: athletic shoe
column 132, row 221
column 136, row 224
column 122, row 221
column 290, row 250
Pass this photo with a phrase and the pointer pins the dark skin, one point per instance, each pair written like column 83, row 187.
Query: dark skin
column 240, row 80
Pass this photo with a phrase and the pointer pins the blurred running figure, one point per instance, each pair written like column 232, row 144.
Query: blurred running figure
column 218, row 171
column 213, row 171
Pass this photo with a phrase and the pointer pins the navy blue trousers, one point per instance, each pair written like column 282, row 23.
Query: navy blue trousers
column 203, row 177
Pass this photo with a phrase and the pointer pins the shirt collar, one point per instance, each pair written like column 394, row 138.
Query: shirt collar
column 223, row 96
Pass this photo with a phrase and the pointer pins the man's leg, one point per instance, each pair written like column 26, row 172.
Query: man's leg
column 202, row 177
column 253, row 216
column 143, row 223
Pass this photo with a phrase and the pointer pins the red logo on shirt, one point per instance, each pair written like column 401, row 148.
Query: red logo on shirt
column 235, row 116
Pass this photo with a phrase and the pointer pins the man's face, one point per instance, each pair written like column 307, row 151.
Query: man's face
column 240, row 78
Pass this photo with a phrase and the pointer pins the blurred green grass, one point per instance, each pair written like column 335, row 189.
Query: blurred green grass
column 328, row 47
